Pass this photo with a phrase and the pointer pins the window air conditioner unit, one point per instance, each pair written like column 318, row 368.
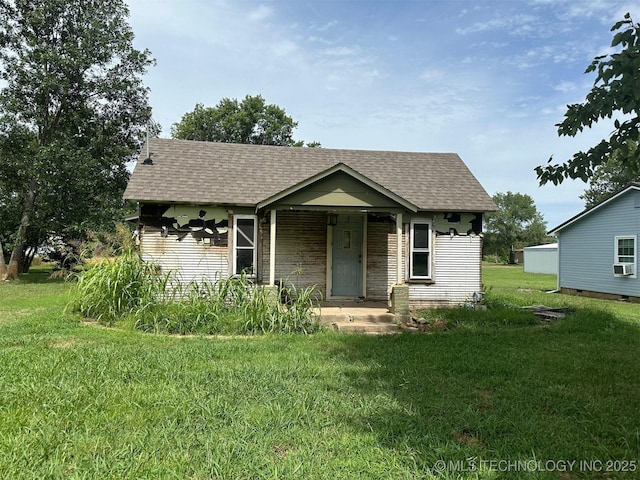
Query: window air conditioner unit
column 623, row 269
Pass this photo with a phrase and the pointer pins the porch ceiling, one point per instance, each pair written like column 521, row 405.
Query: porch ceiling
column 338, row 187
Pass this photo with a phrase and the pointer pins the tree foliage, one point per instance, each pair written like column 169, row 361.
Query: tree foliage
column 251, row 121
column 73, row 110
column 516, row 224
column 615, row 93
column 614, row 175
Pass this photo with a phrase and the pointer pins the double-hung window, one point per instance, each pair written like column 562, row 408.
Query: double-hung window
column 420, row 245
column 625, row 254
column 244, row 244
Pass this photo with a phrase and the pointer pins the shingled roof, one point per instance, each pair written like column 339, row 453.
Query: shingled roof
column 185, row 171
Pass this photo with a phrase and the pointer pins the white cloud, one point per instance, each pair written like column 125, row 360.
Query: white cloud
column 512, row 24
column 339, row 51
column 565, row 87
column 260, row 14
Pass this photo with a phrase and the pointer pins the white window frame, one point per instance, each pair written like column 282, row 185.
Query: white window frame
column 616, row 255
column 254, row 241
column 413, row 249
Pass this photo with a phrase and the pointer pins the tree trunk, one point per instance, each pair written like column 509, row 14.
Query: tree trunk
column 3, row 267
column 27, row 258
column 21, row 238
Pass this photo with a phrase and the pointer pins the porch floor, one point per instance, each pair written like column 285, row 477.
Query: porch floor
column 372, row 317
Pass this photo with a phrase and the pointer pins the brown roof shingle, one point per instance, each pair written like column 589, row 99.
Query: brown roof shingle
column 186, row 171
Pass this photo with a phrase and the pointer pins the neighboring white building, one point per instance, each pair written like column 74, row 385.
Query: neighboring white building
column 541, row 259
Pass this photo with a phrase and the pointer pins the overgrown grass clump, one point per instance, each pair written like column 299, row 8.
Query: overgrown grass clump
column 127, row 289
column 229, row 306
column 114, row 288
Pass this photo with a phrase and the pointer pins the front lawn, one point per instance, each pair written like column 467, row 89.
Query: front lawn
column 84, row 401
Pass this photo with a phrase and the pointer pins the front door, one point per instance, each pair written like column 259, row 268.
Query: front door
column 346, row 279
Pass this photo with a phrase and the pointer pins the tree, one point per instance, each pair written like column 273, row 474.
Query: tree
column 73, row 95
column 516, row 224
column 250, row 121
column 614, row 175
column 615, row 92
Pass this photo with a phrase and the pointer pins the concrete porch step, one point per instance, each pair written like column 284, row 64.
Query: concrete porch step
column 374, row 323
column 367, row 327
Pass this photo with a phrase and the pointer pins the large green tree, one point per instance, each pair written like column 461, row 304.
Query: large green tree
column 615, row 94
column 516, row 224
column 250, row 121
column 72, row 88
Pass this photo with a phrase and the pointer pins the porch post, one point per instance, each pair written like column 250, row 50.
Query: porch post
column 399, row 262
column 272, row 249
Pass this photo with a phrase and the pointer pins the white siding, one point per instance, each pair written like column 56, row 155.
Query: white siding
column 186, row 258
column 457, row 272
column 541, row 259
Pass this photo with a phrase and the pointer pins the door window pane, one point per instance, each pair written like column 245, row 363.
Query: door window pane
column 346, row 239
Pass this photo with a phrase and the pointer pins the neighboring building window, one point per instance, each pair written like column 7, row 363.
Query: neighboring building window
column 420, row 259
column 625, row 253
column 244, row 244
column 626, row 248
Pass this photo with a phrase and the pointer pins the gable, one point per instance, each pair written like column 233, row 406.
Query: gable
column 338, row 187
column 614, row 200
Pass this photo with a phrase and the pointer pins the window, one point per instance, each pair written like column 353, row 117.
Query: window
column 625, row 254
column 625, row 250
column 420, row 259
column 244, row 244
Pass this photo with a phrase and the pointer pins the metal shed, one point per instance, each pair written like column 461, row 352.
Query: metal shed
column 541, row 259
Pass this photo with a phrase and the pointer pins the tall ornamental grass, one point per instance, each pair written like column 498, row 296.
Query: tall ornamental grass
column 127, row 288
column 114, row 288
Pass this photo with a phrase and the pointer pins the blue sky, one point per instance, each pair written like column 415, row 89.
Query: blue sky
column 485, row 79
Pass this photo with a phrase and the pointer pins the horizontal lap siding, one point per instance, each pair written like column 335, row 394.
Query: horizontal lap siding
column 587, row 248
column 381, row 259
column 457, row 272
column 188, row 258
column 301, row 249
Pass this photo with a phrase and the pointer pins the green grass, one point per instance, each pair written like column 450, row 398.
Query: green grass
column 84, row 401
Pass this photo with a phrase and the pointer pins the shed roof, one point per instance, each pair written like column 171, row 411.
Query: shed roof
column 546, row 246
column 185, row 171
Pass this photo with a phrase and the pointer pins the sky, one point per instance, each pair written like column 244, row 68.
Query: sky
column 486, row 79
